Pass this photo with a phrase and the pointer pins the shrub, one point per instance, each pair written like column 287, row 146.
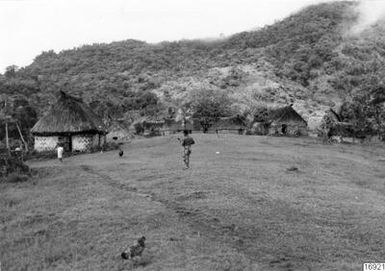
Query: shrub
column 42, row 155
column 139, row 129
column 16, row 178
column 11, row 165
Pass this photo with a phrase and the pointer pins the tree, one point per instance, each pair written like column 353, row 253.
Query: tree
column 365, row 112
column 10, row 71
column 210, row 104
column 18, row 118
column 378, row 105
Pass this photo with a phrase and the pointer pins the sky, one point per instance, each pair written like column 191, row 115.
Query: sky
column 29, row 27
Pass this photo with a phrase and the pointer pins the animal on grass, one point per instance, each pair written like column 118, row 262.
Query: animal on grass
column 135, row 250
column 121, row 153
column 292, row 169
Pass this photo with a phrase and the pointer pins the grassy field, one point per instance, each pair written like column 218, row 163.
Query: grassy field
column 240, row 209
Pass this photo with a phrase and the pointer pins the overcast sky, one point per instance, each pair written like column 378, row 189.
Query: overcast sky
column 28, row 27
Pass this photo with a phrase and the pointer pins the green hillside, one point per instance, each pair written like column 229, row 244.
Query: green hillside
column 307, row 59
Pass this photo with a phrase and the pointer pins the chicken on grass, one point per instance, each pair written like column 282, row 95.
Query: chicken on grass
column 135, row 250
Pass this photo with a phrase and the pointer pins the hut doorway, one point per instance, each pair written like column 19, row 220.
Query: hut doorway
column 66, row 142
column 284, row 129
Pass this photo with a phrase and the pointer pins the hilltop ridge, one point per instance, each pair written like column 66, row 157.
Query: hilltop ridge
column 306, row 59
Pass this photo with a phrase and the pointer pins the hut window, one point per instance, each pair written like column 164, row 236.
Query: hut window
column 115, row 138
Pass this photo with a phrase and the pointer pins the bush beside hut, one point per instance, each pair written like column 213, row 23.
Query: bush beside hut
column 12, row 168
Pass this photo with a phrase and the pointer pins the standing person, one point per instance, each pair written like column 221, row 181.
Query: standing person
column 186, row 143
column 19, row 153
column 60, row 151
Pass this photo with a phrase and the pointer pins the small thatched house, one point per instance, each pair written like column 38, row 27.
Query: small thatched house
column 233, row 124
column 118, row 131
column 153, row 127
column 71, row 123
column 286, row 121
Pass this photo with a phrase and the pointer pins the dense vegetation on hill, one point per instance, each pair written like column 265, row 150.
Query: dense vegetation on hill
column 308, row 59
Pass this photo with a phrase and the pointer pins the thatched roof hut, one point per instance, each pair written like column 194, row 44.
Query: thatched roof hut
column 285, row 114
column 286, row 121
column 69, row 122
column 69, row 115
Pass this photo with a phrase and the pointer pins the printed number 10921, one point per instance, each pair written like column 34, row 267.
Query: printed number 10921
column 373, row 267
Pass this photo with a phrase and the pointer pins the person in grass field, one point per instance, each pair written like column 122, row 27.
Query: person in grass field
column 187, row 142
column 60, row 151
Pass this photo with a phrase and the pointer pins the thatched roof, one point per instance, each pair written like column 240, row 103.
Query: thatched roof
column 68, row 115
column 229, row 123
column 285, row 114
column 149, row 124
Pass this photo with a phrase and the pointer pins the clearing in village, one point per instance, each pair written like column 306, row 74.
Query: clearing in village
column 237, row 208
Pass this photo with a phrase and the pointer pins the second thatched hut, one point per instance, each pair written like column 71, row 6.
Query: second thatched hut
column 286, row 121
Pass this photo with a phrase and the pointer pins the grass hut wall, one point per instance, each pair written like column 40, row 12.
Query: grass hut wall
column 234, row 125
column 286, row 121
column 71, row 123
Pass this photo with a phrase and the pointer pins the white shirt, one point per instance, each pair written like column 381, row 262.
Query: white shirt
column 60, row 152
